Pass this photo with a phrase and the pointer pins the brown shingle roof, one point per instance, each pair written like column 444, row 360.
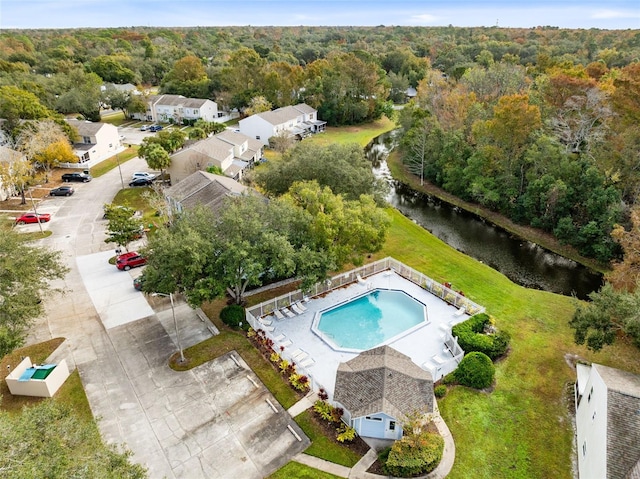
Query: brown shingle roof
column 202, row 188
column 623, row 420
column 383, row 380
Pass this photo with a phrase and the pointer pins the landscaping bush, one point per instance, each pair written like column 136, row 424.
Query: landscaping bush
column 440, row 391
column 232, row 315
column 413, row 455
column 475, row 371
column 471, row 337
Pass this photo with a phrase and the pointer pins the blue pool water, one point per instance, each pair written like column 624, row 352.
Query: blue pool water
column 370, row 320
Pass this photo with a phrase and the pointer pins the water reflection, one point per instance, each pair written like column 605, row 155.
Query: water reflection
column 521, row 261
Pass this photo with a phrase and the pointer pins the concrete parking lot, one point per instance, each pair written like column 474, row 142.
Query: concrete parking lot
column 214, row 421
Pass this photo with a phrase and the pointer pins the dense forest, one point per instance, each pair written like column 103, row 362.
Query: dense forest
column 539, row 124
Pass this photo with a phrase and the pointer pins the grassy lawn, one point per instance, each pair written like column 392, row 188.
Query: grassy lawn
column 295, row 470
column 111, row 163
column 361, row 134
column 523, row 428
column 321, row 446
column 71, row 392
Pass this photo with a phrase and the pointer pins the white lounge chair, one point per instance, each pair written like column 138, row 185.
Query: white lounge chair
column 307, row 362
column 301, row 306
column 438, row 360
column 296, row 309
column 268, row 328
column 279, row 337
column 301, row 356
column 287, row 312
column 360, row 280
column 278, row 314
column 461, row 311
column 286, row 342
column 296, row 352
column 265, row 322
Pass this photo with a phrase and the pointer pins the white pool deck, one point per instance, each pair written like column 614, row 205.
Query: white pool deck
column 424, row 343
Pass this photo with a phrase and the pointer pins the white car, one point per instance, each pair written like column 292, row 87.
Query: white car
column 143, row 174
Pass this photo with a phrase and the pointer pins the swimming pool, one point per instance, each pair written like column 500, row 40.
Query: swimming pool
column 370, row 320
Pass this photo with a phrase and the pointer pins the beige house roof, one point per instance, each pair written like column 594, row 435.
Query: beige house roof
column 202, row 188
column 383, row 380
column 86, row 128
column 178, row 100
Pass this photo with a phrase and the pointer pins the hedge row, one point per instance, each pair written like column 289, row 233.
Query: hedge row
column 471, row 338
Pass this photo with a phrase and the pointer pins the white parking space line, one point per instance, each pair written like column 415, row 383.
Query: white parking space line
column 112, row 291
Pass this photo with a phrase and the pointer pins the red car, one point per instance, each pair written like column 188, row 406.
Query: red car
column 130, row 260
column 33, row 218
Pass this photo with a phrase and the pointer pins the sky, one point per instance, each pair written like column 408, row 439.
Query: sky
column 604, row 14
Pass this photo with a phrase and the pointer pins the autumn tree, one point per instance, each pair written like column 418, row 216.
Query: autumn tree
column 258, row 104
column 46, row 144
column 625, row 274
column 17, row 172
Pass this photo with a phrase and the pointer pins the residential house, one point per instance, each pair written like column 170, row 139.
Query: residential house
column 296, row 121
column 97, row 142
column 8, row 156
column 202, row 188
column 177, row 109
column 379, row 389
column 607, row 403
column 230, row 151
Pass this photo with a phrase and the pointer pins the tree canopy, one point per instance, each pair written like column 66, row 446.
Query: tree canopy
column 26, row 273
column 305, row 234
column 48, row 440
column 343, row 168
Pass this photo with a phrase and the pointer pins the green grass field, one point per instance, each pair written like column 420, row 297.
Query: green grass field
column 295, row 470
column 522, row 429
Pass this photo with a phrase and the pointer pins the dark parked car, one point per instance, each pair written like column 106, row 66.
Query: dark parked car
column 141, row 182
column 33, row 218
column 61, row 191
column 130, row 260
column 83, row 177
column 138, row 283
column 155, row 128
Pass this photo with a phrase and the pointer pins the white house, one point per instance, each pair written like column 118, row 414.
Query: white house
column 379, row 389
column 230, row 151
column 296, row 121
column 607, row 403
column 97, row 142
column 177, row 108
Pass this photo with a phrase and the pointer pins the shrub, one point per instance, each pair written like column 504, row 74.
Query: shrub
column 475, row 371
column 414, row 454
column 299, row 382
column 274, row 357
column 471, row 338
column 232, row 315
column 346, row 433
column 324, row 409
column 284, row 365
column 440, row 391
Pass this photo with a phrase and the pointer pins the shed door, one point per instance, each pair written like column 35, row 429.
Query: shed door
column 392, row 429
column 372, row 426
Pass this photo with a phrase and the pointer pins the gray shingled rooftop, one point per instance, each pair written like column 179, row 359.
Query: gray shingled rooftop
column 383, row 380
